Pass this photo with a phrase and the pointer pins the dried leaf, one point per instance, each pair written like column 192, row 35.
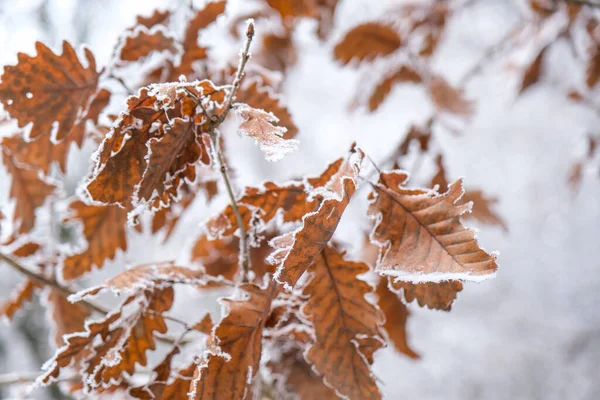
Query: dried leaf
column 225, row 372
column 140, row 43
column 533, row 71
column 278, row 52
column 145, row 277
column 366, row 42
column 294, row 375
column 439, row 178
column 481, row 210
column 163, row 124
column 420, row 235
column 295, row 251
column 28, row 190
column 27, row 249
column 67, row 317
column 205, row 325
column 435, row 295
column 258, row 94
column 104, row 231
column 157, row 18
column 383, row 88
column 258, row 124
column 293, row 8
column 396, row 314
column 341, row 315
column 593, row 69
column 49, row 89
column 446, row 98
column 23, row 294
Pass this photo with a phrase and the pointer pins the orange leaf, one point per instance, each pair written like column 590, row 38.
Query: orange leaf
column 396, row 314
column 341, row 315
column 258, row 124
column 533, row 71
column 383, row 88
column 293, row 8
column 49, row 88
column 446, row 98
column 257, row 94
column 593, row 69
column 420, row 235
column 295, row 251
column 28, row 190
column 19, row 297
column 227, row 369
column 145, row 277
column 67, row 317
column 205, row 325
column 157, row 18
column 297, row 376
column 140, row 43
column 482, row 211
column 366, row 42
column 163, row 123
column 104, row 231
column 435, row 295
column 27, row 249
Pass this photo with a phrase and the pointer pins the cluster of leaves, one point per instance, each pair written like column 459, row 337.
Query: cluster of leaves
column 302, row 317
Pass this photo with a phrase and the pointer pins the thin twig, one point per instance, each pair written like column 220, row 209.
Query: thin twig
column 244, row 57
column 66, row 292
column 28, row 377
column 49, row 282
column 213, row 124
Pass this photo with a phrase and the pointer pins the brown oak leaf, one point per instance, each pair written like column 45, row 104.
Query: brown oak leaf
column 27, row 249
column 49, row 89
column 66, row 317
column 482, row 208
column 420, row 235
column 23, row 294
column 258, row 94
column 447, row 98
column 104, row 231
column 237, row 346
column 435, row 295
column 295, row 251
column 383, row 88
column 532, row 73
column 341, row 315
column 258, row 124
column 396, row 313
column 28, row 189
column 366, row 42
column 157, row 18
column 140, row 43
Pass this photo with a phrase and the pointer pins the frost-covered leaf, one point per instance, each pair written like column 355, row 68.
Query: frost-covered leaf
column 66, row 317
column 154, row 147
column 258, row 124
column 396, row 314
column 158, row 17
column 235, row 347
column 23, row 294
column 142, row 42
column 366, row 42
column 42, row 153
column 293, row 8
column 105, row 233
column 28, row 189
column 27, row 249
column 258, row 94
column 146, row 277
column 341, row 316
column 403, row 74
column 420, row 236
column 295, row 251
column 48, row 89
column 435, row 295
